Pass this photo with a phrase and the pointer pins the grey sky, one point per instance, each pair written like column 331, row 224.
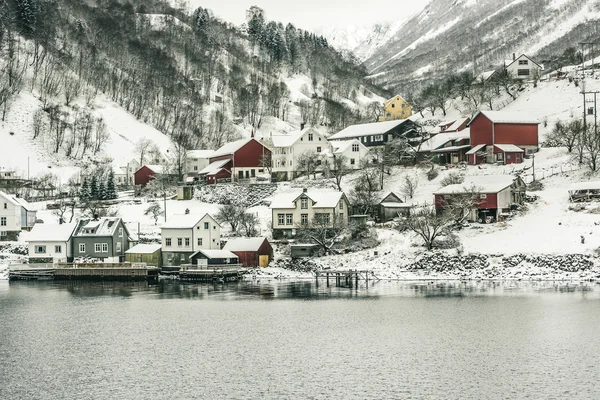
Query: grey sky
column 310, row 14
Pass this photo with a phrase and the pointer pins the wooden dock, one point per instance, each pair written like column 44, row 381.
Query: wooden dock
column 91, row 271
column 346, row 277
column 229, row 273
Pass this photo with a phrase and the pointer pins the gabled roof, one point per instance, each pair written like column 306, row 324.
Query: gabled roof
column 385, row 195
column 244, row 244
column 232, row 147
column 184, row 221
column 339, row 146
column 475, row 149
column 509, row 148
column 508, row 63
column 374, row 128
column 439, row 140
column 17, row 201
column 214, row 167
column 200, row 153
column 481, row 184
column 321, row 199
column 148, row 248
column 156, row 168
column 504, row 117
column 453, row 127
column 105, row 226
column 51, row 232
column 215, row 254
column 388, row 101
column 591, row 185
column 289, row 139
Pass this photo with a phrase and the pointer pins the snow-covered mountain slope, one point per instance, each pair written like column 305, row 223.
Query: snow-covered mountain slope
column 455, row 35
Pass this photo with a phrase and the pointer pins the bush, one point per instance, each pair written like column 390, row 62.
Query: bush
column 535, row 186
column 432, row 174
column 453, row 178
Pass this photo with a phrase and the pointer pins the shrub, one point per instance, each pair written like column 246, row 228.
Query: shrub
column 432, row 174
column 453, row 178
column 535, row 186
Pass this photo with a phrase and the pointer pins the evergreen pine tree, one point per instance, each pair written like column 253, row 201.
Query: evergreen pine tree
column 94, row 188
column 101, row 191
column 111, row 190
column 84, row 191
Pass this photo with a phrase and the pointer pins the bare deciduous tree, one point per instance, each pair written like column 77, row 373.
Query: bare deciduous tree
column 409, row 186
column 155, row 211
column 427, row 225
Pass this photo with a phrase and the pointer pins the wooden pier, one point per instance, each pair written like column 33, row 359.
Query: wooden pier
column 227, row 273
column 91, row 271
column 346, row 277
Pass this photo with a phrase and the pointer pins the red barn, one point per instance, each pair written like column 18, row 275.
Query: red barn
column 503, row 137
column 245, row 156
column 492, row 194
column 252, row 252
column 147, row 173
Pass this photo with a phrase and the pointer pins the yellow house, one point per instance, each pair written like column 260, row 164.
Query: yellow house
column 396, row 108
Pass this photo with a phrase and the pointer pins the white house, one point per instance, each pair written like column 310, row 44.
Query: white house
column 8, row 173
column 51, row 243
column 302, row 207
column 197, row 160
column 353, row 150
column 16, row 214
column 184, row 234
column 523, row 67
column 286, row 149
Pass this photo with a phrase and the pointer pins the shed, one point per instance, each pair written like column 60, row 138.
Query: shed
column 214, row 258
column 185, row 192
column 252, row 252
column 300, row 250
column 391, row 206
column 145, row 253
column 147, row 173
column 584, row 191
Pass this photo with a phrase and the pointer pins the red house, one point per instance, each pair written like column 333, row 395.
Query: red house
column 503, row 137
column 252, row 252
column 244, row 158
column 147, row 173
column 493, row 195
column 455, row 126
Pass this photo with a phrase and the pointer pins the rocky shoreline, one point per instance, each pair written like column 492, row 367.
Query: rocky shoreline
column 447, row 266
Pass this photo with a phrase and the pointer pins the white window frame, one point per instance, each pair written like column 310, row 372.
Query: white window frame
column 97, row 247
column 118, row 247
column 40, row 247
column 187, row 242
column 168, row 242
column 199, row 241
column 483, row 196
column 120, row 232
column 179, row 242
column 58, row 249
column 105, row 247
column 304, row 203
column 3, row 221
column 82, row 247
column 355, row 147
column 304, row 218
column 289, row 219
column 281, row 219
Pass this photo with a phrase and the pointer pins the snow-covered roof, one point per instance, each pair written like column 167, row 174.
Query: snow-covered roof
column 213, row 167
column 156, row 168
column 374, row 128
column 286, row 140
column 396, row 205
column 321, row 199
column 505, row 117
column 339, row 146
column 200, row 153
column 244, row 244
column 456, row 124
column 451, row 148
column 509, row 148
column 231, row 147
column 475, row 149
column 24, row 203
column 105, row 226
column 183, row 221
column 437, row 141
column 385, row 103
column 509, row 62
column 591, row 185
column 216, row 253
column 479, row 183
column 484, row 76
column 51, row 232
column 149, row 248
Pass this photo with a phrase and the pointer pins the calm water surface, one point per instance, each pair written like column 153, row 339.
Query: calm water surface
column 299, row 341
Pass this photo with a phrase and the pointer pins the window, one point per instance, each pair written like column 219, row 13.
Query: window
column 304, row 218
column 195, row 168
column 310, row 137
column 179, row 242
column 58, row 249
column 393, row 106
column 499, row 156
column 289, row 219
column 213, row 240
column 341, row 205
column 523, row 72
column 120, row 232
column 82, row 247
column 355, row 147
column 318, row 149
column 97, row 247
column 118, row 247
column 304, row 203
column 105, row 247
column 3, row 233
column 199, row 241
column 280, row 219
column 483, row 196
column 523, row 62
column 352, row 161
column 168, row 242
column 322, row 218
column 206, row 226
column 341, row 216
column 378, row 138
column 187, row 242
column 214, row 227
column 5, row 206
column 2, row 221
column 40, row 249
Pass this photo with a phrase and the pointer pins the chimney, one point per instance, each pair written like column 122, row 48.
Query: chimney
column 514, row 56
column 302, row 126
column 304, row 190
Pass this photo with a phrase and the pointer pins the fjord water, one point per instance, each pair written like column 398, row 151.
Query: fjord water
column 296, row 340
